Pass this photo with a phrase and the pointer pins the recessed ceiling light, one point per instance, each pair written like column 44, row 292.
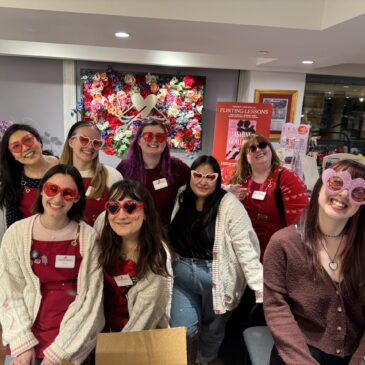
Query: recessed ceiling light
column 307, row 62
column 346, row 86
column 262, row 52
column 122, row 35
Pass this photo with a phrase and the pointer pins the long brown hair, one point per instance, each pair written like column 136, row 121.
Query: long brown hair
column 98, row 181
column 243, row 168
column 151, row 251
column 352, row 257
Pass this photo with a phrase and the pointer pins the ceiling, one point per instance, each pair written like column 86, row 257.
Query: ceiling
column 192, row 33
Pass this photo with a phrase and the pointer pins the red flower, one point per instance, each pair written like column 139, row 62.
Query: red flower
column 114, row 122
column 197, row 116
column 189, row 81
column 109, row 151
column 108, row 141
column 188, row 146
column 172, row 120
column 188, row 106
column 188, row 133
column 145, row 92
column 127, row 88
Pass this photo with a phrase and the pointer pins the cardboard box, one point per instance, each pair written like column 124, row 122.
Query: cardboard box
column 150, row 347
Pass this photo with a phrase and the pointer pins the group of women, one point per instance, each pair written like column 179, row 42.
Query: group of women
column 176, row 246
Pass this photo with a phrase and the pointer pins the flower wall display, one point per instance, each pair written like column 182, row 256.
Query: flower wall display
column 118, row 103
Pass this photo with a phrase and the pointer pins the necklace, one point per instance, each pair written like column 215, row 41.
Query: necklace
column 333, row 236
column 333, row 264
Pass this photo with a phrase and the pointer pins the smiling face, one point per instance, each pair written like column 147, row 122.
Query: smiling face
column 81, row 153
column 57, row 206
column 336, row 206
column 202, row 187
column 261, row 157
column 123, row 223
column 152, row 147
column 28, row 155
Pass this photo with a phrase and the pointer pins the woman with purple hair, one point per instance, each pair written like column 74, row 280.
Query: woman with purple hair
column 149, row 162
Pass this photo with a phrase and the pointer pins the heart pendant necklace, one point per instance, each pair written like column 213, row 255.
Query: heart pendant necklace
column 333, row 264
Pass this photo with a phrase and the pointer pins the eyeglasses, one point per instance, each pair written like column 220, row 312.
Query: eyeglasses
column 209, row 178
column 261, row 145
column 52, row 190
column 336, row 182
column 17, row 146
column 149, row 136
column 85, row 141
column 130, row 207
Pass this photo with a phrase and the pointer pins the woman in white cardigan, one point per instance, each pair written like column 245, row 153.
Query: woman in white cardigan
column 219, row 254
column 50, row 280
column 135, row 260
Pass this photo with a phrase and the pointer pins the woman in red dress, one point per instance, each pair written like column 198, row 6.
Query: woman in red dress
column 50, row 280
column 81, row 149
column 136, row 261
column 22, row 165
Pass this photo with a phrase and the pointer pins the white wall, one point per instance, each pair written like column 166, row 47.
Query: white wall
column 31, row 93
column 252, row 80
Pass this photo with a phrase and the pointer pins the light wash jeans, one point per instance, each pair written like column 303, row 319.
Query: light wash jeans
column 192, row 307
column 8, row 359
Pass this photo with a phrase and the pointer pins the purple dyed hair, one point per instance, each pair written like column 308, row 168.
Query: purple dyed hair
column 134, row 165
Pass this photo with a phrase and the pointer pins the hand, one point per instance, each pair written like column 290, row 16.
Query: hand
column 239, row 191
column 47, row 361
column 26, row 358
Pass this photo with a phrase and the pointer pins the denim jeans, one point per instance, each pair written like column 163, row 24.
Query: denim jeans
column 192, row 307
column 8, row 359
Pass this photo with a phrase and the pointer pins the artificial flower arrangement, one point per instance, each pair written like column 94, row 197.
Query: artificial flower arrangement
column 118, row 103
column 4, row 125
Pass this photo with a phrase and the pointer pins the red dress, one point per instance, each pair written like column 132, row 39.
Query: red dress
column 58, row 287
column 115, row 297
column 93, row 206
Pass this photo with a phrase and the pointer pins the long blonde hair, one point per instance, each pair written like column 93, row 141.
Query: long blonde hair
column 99, row 179
column 243, row 168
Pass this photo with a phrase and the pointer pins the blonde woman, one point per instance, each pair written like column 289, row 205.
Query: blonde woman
column 81, row 149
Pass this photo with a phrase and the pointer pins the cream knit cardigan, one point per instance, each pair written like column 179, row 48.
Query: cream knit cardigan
column 236, row 253
column 20, row 297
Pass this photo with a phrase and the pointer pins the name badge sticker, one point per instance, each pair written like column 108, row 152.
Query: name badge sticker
column 258, row 195
column 123, row 280
column 160, row 184
column 65, row 261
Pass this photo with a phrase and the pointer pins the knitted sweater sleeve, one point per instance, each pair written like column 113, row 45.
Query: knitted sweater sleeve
column 245, row 243
column 295, row 196
column 360, row 352
column 288, row 337
column 14, row 316
column 150, row 302
column 84, row 317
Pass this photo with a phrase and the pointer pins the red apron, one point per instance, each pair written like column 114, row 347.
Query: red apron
column 58, row 288
column 115, row 297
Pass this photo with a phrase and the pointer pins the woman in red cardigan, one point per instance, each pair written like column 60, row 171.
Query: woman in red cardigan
column 314, row 275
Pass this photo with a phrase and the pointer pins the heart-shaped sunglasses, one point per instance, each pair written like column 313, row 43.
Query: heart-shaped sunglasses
column 17, row 146
column 337, row 181
column 130, row 207
column 52, row 190
column 85, row 141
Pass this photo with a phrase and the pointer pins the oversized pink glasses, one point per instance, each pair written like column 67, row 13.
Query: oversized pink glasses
column 337, row 181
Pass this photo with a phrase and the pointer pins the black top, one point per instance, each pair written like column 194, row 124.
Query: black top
column 189, row 238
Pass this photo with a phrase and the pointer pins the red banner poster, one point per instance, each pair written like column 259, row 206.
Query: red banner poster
column 234, row 123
